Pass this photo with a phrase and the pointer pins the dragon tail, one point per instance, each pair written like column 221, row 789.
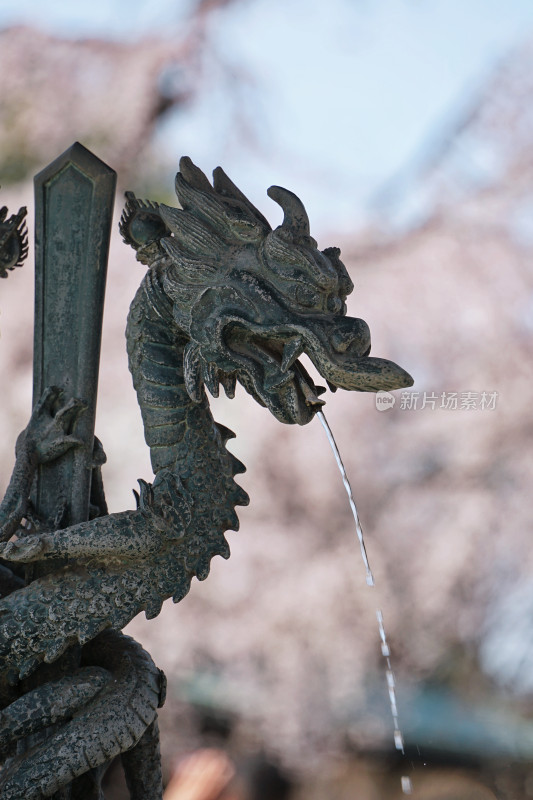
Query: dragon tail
column 110, row 724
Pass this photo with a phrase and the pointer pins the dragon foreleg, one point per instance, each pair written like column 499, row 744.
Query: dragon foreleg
column 123, row 535
column 47, row 436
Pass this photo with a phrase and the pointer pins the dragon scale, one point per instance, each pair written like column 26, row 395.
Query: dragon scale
column 225, row 299
column 175, row 536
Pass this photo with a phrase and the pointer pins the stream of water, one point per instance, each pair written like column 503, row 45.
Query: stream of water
column 385, row 649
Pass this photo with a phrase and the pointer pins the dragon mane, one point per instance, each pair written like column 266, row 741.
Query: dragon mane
column 218, row 229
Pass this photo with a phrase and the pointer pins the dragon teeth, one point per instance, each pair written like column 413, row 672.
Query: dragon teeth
column 310, row 397
column 210, row 376
column 291, row 350
column 229, row 382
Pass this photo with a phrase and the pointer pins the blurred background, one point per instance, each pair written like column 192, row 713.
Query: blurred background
column 406, row 127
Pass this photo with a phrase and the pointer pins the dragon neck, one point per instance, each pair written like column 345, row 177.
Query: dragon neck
column 181, row 434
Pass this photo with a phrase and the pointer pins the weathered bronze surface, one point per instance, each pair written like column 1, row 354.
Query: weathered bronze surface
column 225, row 298
column 73, row 214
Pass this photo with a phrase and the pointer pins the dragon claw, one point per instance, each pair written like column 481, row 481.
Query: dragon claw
column 50, row 431
column 50, row 396
column 70, row 413
column 23, row 550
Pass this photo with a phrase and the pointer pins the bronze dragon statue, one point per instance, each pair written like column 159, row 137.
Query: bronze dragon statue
column 225, row 299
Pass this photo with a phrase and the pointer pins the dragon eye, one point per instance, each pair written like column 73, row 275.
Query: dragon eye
column 305, row 296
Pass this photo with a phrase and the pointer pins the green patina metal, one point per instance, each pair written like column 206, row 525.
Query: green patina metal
column 225, row 299
column 73, row 212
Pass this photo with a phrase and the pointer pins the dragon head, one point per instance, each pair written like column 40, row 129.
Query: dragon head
column 251, row 300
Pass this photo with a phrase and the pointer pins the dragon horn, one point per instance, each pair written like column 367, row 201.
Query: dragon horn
column 225, row 186
column 295, row 219
column 194, row 175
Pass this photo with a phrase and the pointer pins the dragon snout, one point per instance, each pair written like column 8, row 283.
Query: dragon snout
column 340, row 351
